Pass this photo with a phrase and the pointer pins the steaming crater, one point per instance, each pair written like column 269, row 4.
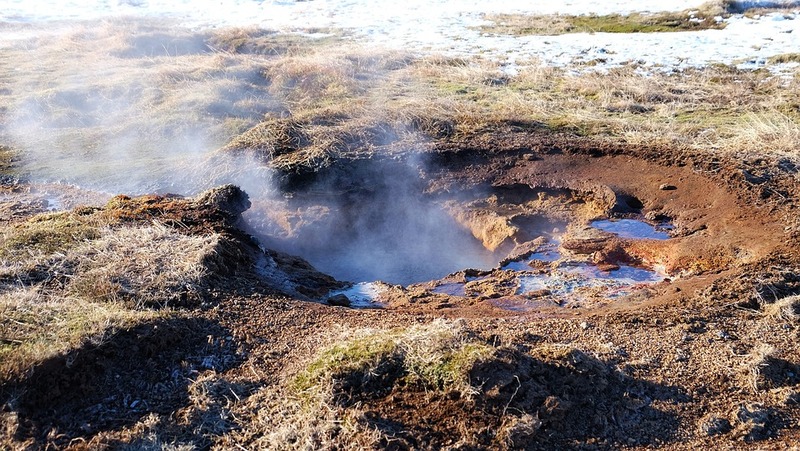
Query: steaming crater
column 377, row 221
column 560, row 231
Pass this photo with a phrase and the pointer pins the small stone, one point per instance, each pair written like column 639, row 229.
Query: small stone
column 339, row 300
column 715, row 426
column 722, row 335
column 538, row 293
column 667, row 187
column 608, row 267
column 584, row 325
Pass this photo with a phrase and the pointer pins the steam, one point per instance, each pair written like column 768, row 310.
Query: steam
column 127, row 107
column 373, row 222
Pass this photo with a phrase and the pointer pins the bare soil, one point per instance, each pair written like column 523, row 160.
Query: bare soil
column 704, row 359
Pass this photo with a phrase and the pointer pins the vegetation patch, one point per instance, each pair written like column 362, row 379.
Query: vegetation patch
column 37, row 326
column 320, row 405
column 784, row 58
column 544, row 25
column 259, row 41
column 438, row 356
column 145, row 266
column 707, row 16
column 45, row 234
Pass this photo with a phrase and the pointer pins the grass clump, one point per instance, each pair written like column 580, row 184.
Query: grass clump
column 784, row 58
column 151, row 266
column 320, row 407
column 705, row 17
column 45, row 234
column 437, row 356
column 258, row 41
column 544, row 25
column 37, row 325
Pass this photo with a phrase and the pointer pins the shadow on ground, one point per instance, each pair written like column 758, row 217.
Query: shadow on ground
column 100, row 387
column 527, row 401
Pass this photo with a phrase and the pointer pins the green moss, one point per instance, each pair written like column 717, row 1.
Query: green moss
column 436, row 356
column 643, row 23
column 358, row 355
column 452, row 368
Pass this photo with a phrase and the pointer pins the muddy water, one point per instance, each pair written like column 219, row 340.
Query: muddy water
column 553, row 249
column 633, row 229
column 545, row 256
column 581, row 277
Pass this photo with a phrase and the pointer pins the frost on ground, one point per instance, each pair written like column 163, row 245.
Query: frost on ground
column 452, row 27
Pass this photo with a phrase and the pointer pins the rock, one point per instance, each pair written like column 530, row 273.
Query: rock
column 491, row 228
column 538, row 293
column 656, row 216
column 519, row 432
column 339, row 300
column 714, row 425
column 667, row 187
column 228, row 198
column 607, row 267
column 755, row 422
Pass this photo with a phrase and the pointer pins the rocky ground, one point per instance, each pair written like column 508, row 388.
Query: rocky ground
column 249, row 355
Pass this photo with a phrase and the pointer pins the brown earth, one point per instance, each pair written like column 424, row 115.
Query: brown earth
column 707, row 359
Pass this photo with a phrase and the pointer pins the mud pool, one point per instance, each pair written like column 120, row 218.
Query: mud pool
column 558, row 232
column 388, row 235
column 634, row 229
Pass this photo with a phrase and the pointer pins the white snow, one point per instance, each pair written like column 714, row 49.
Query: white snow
column 449, row 26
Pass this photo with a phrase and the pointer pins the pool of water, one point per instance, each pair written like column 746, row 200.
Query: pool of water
column 451, row 289
column 362, row 295
column 584, row 278
column 633, row 229
column 628, row 275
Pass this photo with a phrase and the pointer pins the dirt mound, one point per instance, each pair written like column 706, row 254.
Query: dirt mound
column 238, row 261
column 438, row 385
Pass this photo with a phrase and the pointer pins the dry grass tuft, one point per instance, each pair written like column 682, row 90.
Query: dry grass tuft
column 45, row 234
column 701, row 18
column 38, row 325
column 784, row 58
column 704, row 17
column 786, row 309
column 143, row 266
column 67, row 281
column 342, row 106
